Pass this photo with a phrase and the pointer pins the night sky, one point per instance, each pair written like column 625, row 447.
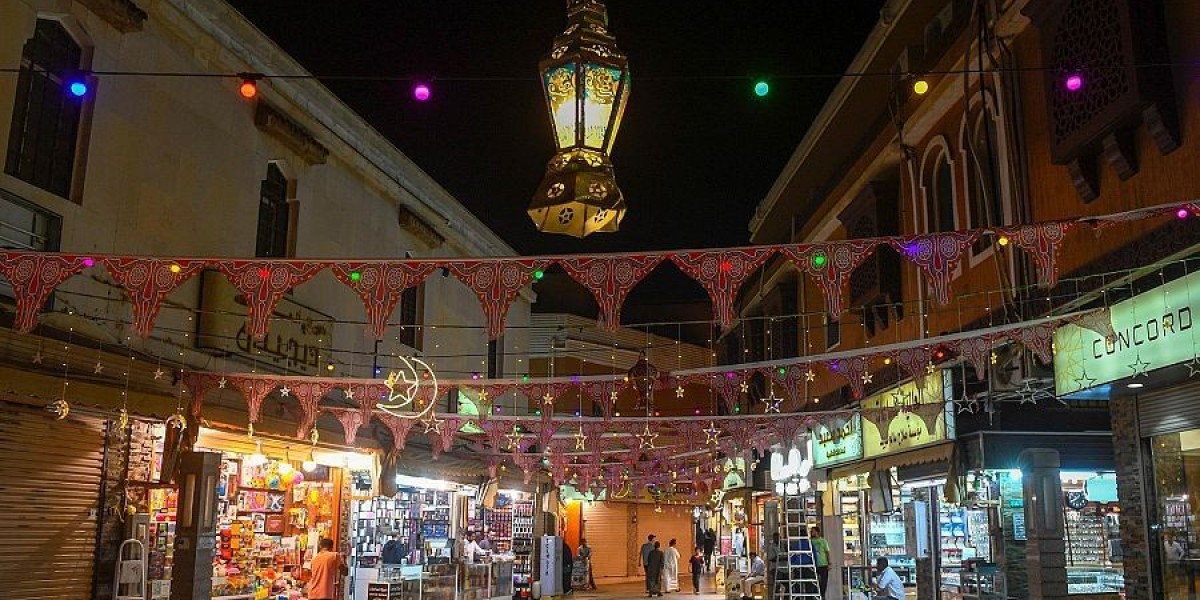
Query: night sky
column 694, row 155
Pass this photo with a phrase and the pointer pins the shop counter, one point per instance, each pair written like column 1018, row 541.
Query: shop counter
column 981, row 584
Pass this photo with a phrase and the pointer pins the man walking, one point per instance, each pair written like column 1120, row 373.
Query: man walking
column 654, row 571
column 644, row 557
column 710, row 544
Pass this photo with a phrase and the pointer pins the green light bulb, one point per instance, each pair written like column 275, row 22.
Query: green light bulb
column 538, row 274
column 761, row 88
column 819, row 260
column 355, row 276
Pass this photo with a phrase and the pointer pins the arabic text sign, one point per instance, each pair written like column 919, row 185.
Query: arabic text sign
column 299, row 340
column 906, row 417
column 1153, row 330
column 837, row 440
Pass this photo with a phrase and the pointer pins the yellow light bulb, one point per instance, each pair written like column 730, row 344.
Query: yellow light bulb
column 1003, row 241
column 920, row 87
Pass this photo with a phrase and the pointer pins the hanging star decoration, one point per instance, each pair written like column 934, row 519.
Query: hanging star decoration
column 968, row 404
column 285, row 391
column 434, row 426
column 548, row 398
column 930, row 368
column 315, row 436
column 646, row 438
column 123, row 419
column 1139, row 366
column 993, row 358
column 679, row 392
column 1027, row 393
column 483, row 395
column 59, row 408
column 177, row 420
column 1193, row 367
column 159, row 373
column 712, row 433
column 773, row 402
column 349, row 393
column 867, row 377
column 580, row 439
column 1084, row 381
column 514, row 437
column 744, row 386
column 222, row 382
column 810, row 375
column 612, row 396
column 98, row 369
column 37, row 357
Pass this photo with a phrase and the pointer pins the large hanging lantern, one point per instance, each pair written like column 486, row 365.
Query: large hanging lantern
column 643, row 375
column 586, row 82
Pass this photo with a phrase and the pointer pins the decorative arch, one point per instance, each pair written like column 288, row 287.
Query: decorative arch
column 938, row 187
column 986, row 168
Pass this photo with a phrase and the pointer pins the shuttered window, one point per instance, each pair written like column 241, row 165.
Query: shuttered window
column 606, row 528
column 50, row 480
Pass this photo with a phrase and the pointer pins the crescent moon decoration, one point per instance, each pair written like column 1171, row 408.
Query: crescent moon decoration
column 404, row 390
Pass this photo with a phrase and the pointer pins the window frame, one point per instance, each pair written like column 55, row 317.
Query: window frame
column 77, row 165
column 983, row 106
column 288, row 215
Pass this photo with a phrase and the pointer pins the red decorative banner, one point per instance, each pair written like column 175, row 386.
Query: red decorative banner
column 729, row 386
column 610, row 278
column 604, row 394
column 496, row 283
column 380, row 285
column 978, row 352
column 442, row 437
column 254, row 390
column 399, row 428
column 351, row 419
column 199, row 384
column 308, row 396
column 1041, row 241
column 830, row 265
column 33, row 278
column 914, row 361
column 263, row 283
column 854, row 370
column 937, row 255
column 721, row 273
column 1037, row 338
column 148, row 281
column 1099, row 321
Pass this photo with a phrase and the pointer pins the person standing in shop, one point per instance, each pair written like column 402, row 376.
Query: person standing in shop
column 654, row 571
column 697, row 567
column 644, row 558
column 327, row 568
column 583, row 562
column 710, row 545
column 887, row 583
column 820, row 548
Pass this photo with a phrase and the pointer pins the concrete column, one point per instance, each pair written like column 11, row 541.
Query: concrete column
column 195, row 531
column 1046, row 546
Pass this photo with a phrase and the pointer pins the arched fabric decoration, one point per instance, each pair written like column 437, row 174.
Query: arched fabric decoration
column 610, row 278
column 399, row 427
column 33, row 278
column 914, row 361
column 604, row 394
column 729, row 387
column 441, row 438
column 1041, row 241
column 852, row 369
column 936, row 255
column 978, row 352
column 351, row 419
column 199, row 384
column 1099, row 321
column 148, row 281
column 255, row 390
column 496, row 283
column 721, row 273
column 308, row 396
column 1038, row 338
column 380, row 286
column 830, row 265
column 793, row 379
column 263, row 283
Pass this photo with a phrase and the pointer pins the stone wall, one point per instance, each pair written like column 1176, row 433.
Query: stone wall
column 1127, row 454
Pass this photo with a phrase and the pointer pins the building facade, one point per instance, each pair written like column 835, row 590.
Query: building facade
column 999, row 113
column 96, row 162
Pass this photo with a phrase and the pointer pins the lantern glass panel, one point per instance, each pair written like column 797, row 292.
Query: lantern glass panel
column 560, row 94
column 602, row 84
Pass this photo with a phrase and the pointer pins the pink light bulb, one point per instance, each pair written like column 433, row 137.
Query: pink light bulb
column 422, row 92
column 1182, row 213
column 1074, row 82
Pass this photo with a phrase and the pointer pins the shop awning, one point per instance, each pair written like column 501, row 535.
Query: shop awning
column 922, row 456
column 861, row 467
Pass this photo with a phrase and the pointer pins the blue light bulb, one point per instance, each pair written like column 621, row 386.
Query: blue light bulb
column 78, row 89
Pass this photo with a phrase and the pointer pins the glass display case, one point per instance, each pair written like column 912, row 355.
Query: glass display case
column 1095, row 580
column 983, row 583
column 886, row 538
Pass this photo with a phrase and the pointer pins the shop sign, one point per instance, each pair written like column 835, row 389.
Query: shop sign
column 837, row 440
column 1153, row 330
column 907, row 417
column 1018, row 521
column 300, row 339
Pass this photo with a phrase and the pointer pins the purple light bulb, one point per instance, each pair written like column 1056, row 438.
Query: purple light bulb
column 1074, row 82
column 422, row 92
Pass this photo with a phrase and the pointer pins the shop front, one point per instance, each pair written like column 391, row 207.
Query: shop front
column 885, row 472
column 1145, row 369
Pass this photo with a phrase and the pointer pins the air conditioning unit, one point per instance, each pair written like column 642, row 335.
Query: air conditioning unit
column 1015, row 364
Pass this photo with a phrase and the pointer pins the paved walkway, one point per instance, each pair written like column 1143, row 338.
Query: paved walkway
column 618, row 591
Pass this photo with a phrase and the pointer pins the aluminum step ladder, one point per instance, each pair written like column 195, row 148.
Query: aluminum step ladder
column 797, row 580
column 129, row 580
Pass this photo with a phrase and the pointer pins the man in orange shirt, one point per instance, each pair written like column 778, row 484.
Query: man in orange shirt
column 327, row 567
